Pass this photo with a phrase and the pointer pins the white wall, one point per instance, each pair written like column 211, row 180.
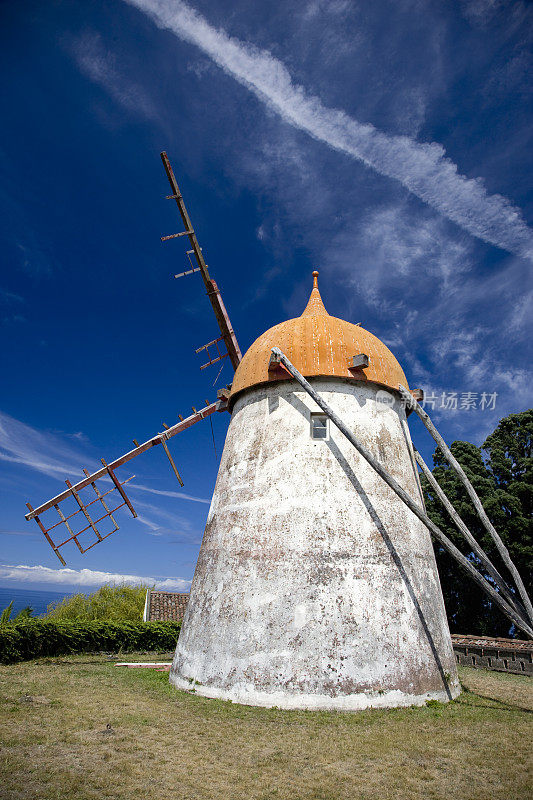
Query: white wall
column 315, row 586
column 145, row 612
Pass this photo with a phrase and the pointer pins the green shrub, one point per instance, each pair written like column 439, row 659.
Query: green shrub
column 5, row 616
column 111, row 602
column 33, row 638
column 24, row 613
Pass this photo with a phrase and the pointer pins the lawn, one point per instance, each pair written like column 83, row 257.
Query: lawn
column 162, row 743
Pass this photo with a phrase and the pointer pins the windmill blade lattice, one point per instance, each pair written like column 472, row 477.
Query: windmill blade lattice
column 108, row 471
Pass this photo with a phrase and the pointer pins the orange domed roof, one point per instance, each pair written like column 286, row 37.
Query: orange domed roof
column 318, row 345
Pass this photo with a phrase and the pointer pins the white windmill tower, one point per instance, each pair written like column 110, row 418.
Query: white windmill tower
column 316, row 584
column 315, row 587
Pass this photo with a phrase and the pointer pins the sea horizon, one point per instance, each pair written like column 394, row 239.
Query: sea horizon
column 38, row 599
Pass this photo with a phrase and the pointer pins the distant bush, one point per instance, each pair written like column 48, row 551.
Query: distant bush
column 24, row 613
column 5, row 615
column 33, row 638
column 110, row 603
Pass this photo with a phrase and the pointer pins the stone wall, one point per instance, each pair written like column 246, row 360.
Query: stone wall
column 504, row 655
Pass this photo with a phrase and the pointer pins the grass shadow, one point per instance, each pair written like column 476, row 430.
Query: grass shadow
column 502, row 705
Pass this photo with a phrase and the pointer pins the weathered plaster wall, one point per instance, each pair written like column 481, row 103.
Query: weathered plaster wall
column 315, row 587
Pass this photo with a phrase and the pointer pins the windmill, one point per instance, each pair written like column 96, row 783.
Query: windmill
column 316, row 584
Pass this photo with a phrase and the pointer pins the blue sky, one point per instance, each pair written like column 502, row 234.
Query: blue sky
column 385, row 143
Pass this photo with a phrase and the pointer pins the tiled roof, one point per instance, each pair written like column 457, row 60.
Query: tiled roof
column 165, row 606
column 490, row 643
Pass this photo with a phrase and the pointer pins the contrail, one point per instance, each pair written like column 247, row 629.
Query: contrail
column 422, row 168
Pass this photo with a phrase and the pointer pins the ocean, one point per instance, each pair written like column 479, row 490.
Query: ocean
column 38, row 600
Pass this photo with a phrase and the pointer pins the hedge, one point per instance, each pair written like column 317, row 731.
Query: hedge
column 42, row 637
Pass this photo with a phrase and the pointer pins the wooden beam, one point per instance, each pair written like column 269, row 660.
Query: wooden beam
column 222, row 317
column 83, row 509
column 101, row 496
column 489, row 527
column 507, row 609
column 176, row 235
column 43, row 529
column 119, row 488
column 174, row 467
column 460, row 525
column 69, row 529
column 118, row 462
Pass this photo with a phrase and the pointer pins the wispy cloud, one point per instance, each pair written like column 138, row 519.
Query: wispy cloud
column 32, row 256
column 14, row 319
column 483, row 12
column 451, row 327
column 422, row 168
column 48, row 454
column 98, row 64
column 169, row 493
column 426, row 260
column 24, row 573
column 7, row 298
column 43, row 452
column 173, row 524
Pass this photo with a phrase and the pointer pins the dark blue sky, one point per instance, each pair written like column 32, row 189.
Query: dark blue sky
column 385, row 143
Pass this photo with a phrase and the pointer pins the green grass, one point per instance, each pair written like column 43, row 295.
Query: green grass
column 167, row 744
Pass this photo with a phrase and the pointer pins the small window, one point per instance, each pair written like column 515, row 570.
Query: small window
column 319, row 426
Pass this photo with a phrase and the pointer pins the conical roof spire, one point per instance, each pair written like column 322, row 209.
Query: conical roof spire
column 319, row 346
column 315, row 307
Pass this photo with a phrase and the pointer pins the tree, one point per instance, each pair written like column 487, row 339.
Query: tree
column 111, row 602
column 501, row 472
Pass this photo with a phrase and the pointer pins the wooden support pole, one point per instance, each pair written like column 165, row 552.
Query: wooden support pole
column 174, row 467
column 176, row 235
column 460, row 525
column 489, row 527
column 507, row 609
column 119, row 488
column 48, row 538
column 211, row 287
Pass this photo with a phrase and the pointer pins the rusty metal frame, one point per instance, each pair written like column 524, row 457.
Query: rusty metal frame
column 219, row 355
column 108, row 469
column 83, row 509
column 213, row 292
